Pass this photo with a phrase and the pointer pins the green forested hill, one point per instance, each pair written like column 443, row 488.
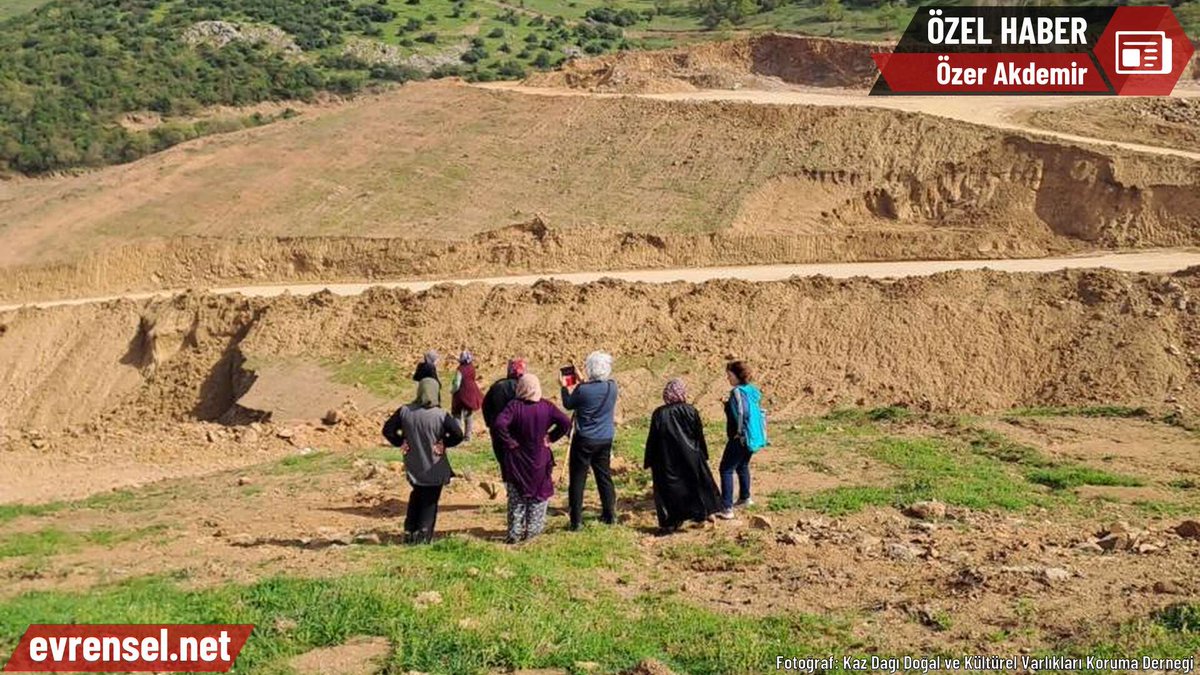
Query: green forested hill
column 70, row 70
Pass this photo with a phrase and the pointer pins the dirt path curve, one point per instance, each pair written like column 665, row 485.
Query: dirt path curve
column 1000, row 112
column 1160, row 261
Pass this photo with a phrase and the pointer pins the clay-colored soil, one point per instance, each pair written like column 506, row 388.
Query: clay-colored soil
column 1169, row 122
column 956, row 341
column 770, row 61
column 620, row 182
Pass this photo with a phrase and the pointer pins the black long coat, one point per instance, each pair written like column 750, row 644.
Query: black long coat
column 677, row 456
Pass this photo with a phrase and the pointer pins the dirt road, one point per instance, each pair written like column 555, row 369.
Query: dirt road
column 1000, row 112
column 1155, row 262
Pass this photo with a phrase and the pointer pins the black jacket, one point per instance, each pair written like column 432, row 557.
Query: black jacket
column 497, row 398
column 677, row 456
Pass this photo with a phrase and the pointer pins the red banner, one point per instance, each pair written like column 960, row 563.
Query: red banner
column 990, row 73
column 144, row 648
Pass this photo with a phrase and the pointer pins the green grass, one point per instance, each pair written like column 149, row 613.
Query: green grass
column 115, row 501
column 1069, row 476
column 539, row 606
column 717, row 554
column 1117, row 411
column 381, row 377
column 11, row 8
column 52, row 541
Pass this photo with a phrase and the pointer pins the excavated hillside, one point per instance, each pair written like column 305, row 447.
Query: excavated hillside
column 975, row 341
column 625, row 182
column 768, row 61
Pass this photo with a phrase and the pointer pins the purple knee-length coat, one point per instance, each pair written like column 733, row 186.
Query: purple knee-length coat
column 523, row 427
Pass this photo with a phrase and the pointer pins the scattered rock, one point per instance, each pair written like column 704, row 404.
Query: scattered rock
column 249, row 436
column 333, row 418
column 341, row 539
column 759, row 522
column 364, row 469
column 1115, row 542
column 901, row 552
column 1053, row 574
column 932, row 510
column 793, row 538
column 1089, row 547
column 1146, row 549
column 1168, row 587
column 1119, row 527
column 814, row 523
column 868, row 545
column 651, row 667
column 285, row 433
column 243, row 540
column 368, row 538
column 210, row 436
column 427, row 599
column 927, row 528
column 243, row 481
column 1188, row 529
column 39, row 443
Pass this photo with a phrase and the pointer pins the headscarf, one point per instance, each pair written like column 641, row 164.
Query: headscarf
column 431, row 357
column 529, row 388
column 675, row 391
column 516, row 368
column 598, row 366
column 428, row 392
column 466, row 357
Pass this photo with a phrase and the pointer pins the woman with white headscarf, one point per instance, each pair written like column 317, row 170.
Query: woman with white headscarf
column 594, row 403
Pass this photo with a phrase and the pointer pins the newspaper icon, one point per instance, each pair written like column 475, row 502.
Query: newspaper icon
column 1143, row 53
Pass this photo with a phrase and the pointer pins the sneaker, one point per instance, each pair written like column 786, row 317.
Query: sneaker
column 727, row 514
column 744, row 502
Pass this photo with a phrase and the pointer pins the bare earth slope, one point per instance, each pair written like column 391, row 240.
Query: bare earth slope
column 956, row 341
column 440, row 161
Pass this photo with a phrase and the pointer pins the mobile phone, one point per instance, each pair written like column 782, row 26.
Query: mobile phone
column 570, row 375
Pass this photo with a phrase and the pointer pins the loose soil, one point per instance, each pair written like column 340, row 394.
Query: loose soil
column 1169, row 122
column 954, row 342
column 624, row 182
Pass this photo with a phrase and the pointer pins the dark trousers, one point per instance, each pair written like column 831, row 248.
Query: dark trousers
column 736, row 459
column 422, row 513
column 597, row 456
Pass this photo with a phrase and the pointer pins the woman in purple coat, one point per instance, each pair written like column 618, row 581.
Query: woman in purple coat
column 527, row 427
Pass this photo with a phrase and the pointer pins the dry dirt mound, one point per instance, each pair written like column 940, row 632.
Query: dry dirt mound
column 1166, row 122
column 959, row 342
column 631, row 182
column 359, row 656
column 769, row 61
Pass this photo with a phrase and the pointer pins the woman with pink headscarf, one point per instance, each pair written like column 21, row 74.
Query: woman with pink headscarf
column 677, row 456
column 525, row 429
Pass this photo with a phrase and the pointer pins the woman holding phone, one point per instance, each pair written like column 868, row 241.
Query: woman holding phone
column 594, row 403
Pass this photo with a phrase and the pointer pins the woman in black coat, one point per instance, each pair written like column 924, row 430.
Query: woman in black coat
column 677, row 457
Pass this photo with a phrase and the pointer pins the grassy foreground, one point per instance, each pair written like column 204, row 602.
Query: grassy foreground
column 600, row 598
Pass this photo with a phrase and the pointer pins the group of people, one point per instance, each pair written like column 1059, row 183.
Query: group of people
column 524, row 426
